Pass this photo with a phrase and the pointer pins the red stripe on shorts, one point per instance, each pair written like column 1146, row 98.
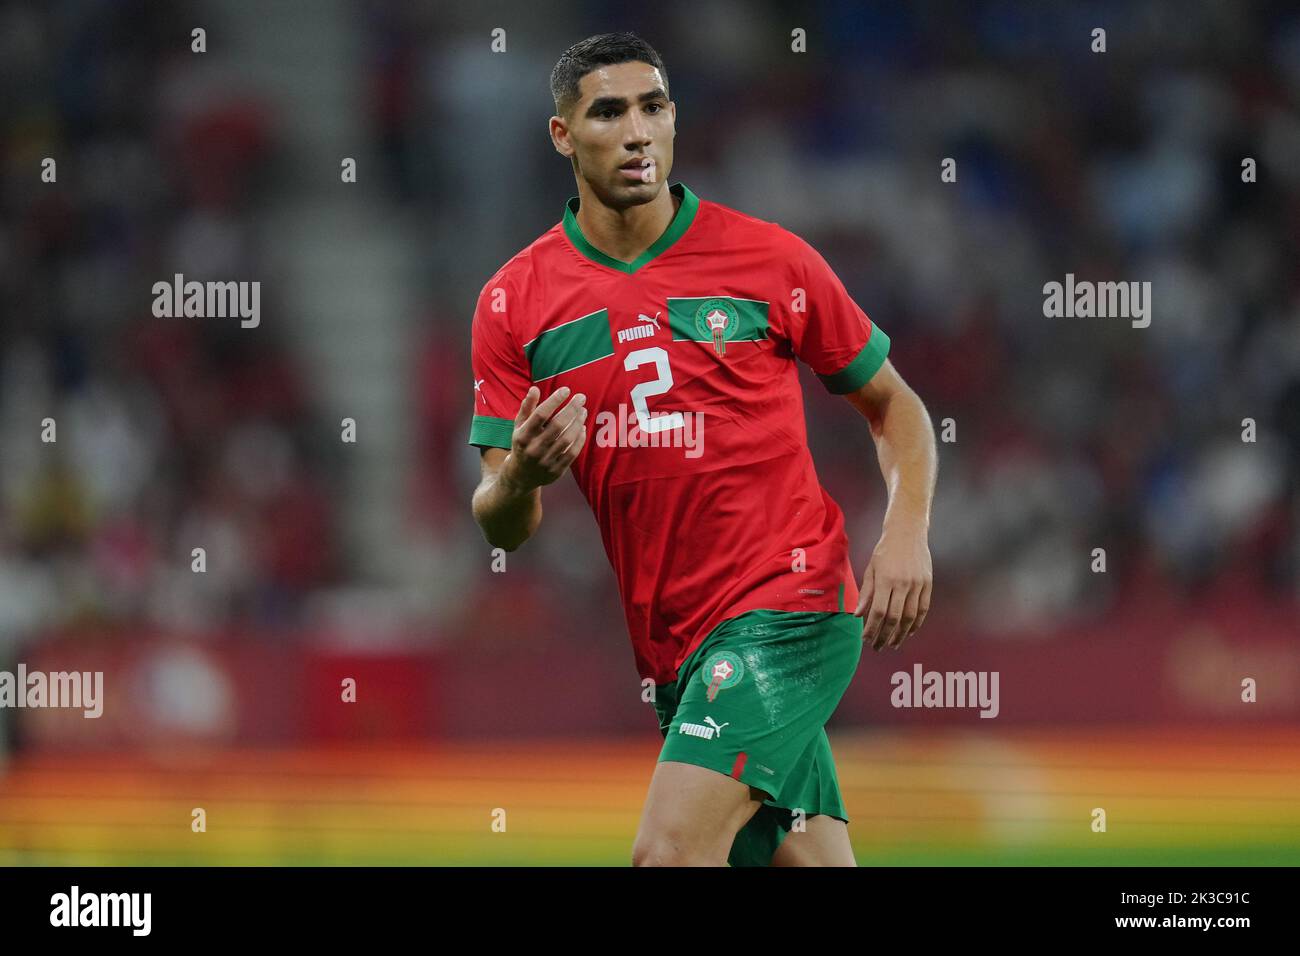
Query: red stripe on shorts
column 739, row 765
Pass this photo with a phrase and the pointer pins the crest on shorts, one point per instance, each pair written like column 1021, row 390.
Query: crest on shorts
column 721, row 670
column 717, row 320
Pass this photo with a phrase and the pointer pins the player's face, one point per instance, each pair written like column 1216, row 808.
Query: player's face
column 623, row 119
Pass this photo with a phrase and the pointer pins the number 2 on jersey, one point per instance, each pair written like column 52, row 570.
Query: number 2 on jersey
column 658, row 385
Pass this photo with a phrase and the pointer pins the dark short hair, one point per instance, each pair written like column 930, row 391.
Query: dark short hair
column 601, row 50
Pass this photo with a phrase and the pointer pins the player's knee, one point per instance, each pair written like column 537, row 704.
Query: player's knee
column 669, row 849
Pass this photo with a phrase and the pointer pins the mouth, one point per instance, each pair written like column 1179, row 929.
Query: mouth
column 639, row 170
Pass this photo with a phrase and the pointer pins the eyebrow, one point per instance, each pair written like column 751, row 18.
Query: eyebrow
column 602, row 103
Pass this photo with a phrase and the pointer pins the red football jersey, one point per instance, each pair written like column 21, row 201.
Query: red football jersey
column 696, row 462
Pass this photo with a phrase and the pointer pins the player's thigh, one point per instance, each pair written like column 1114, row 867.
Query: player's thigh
column 691, row 816
column 823, row 842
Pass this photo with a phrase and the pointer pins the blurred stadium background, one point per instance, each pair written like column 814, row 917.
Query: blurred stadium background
column 478, row 690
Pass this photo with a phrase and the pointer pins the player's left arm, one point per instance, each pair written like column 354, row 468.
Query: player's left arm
column 895, row 595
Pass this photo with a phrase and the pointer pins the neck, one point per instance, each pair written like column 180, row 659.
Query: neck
column 626, row 233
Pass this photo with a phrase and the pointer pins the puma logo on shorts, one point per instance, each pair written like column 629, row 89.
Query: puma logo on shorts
column 700, row 730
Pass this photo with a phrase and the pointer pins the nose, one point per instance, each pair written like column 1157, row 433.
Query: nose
column 638, row 132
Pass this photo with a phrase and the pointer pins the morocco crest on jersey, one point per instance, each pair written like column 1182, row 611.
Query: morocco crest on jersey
column 717, row 319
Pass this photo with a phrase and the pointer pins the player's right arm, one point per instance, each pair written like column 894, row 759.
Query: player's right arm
column 547, row 437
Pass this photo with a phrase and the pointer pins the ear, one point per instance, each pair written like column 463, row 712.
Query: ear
column 560, row 136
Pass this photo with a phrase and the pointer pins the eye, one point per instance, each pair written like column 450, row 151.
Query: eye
column 657, row 106
column 604, row 111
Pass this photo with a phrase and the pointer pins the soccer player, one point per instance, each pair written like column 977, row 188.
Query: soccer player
column 647, row 343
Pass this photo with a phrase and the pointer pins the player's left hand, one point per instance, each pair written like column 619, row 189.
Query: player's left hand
column 895, row 595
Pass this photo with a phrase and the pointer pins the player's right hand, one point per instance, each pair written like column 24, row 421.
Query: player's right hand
column 546, row 439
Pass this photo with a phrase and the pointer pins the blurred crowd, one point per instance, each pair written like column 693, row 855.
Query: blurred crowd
column 1066, row 435
column 126, row 440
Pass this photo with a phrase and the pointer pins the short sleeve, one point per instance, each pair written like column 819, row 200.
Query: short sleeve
column 501, row 377
column 831, row 333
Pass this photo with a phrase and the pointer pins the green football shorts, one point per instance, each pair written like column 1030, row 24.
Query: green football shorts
column 752, row 702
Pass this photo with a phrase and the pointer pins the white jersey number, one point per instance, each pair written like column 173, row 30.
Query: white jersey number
column 662, row 382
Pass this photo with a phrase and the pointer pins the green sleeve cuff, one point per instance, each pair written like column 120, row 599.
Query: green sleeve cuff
column 858, row 372
column 491, row 432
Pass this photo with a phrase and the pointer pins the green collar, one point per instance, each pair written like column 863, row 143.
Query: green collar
column 681, row 222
